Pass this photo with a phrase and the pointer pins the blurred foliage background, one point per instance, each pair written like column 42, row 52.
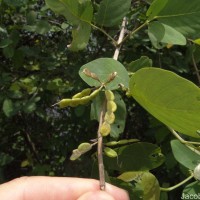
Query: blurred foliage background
column 37, row 69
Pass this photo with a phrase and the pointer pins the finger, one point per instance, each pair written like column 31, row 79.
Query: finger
column 100, row 195
column 51, row 188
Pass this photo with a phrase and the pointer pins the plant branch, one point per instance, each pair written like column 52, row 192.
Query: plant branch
column 100, row 150
column 135, row 30
column 121, row 36
column 196, row 68
column 181, row 139
column 101, row 117
column 177, row 185
column 187, row 143
column 104, row 32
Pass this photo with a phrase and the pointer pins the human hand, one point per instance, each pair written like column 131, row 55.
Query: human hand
column 58, row 188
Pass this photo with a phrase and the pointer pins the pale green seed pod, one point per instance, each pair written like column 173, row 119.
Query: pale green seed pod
column 105, row 129
column 133, row 140
column 127, row 141
column 78, row 95
column 109, row 117
column 75, row 154
column 84, row 100
column 123, row 141
column 75, row 102
column 84, row 147
column 64, row 103
column 111, row 106
column 83, row 93
column 112, row 143
column 109, row 95
column 94, row 93
column 110, row 152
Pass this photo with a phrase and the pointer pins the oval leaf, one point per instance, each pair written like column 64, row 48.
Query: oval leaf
column 80, row 14
column 110, row 13
column 184, row 155
column 148, row 182
column 173, row 100
column 162, row 33
column 136, row 157
column 181, row 15
column 103, row 68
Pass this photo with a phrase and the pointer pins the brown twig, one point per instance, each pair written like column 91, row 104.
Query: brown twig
column 100, row 150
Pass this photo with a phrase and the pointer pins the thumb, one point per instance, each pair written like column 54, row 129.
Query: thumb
column 98, row 195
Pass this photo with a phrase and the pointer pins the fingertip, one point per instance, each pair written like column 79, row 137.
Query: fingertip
column 117, row 193
column 100, row 195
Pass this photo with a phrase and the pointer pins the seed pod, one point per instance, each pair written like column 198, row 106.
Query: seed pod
column 90, row 74
column 197, row 172
column 109, row 117
column 110, row 152
column 112, row 143
column 83, row 93
column 133, row 140
column 123, row 141
column 111, row 106
column 75, row 102
column 105, row 129
column 64, row 103
column 75, row 154
column 109, row 95
column 111, row 77
column 84, row 100
column 127, row 141
column 94, row 93
column 84, row 147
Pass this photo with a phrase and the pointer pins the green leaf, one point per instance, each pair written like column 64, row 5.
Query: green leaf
column 155, row 8
column 8, row 107
column 151, row 187
column 5, row 159
column 136, row 157
column 110, row 13
column 184, row 155
column 140, row 63
column 9, row 51
column 79, row 13
column 81, row 36
column 15, row 3
column 42, row 27
column 191, row 190
column 134, row 190
column 120, row 117
column 148, row 182
column 5, row 42
column 162, row 33
column 173, row 100
column 103, row 68
column 181, row 15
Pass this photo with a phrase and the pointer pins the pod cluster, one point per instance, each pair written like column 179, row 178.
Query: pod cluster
column 82, row 148
column 109, row 117
column 80, row 98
